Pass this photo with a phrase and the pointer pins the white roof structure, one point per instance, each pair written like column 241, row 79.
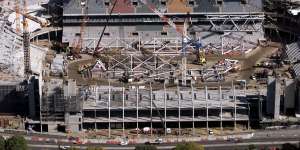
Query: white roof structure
column 32, row 26
column 12, row 55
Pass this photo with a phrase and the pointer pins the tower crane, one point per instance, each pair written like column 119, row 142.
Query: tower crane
column 26, row 43
column 77, row 46
column 185, row 40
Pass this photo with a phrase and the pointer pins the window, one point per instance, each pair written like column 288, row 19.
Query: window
column 164, row 33
column 163, row 3
column 219, row 2
column 134, row 3
column 244, row 1
column 106, row 3
column 192, row 33
column 191, row 3
column 135, row 33
column 249, row 32
column 106, row 34
column 77, row 34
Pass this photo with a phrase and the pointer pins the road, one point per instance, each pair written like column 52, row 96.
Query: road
column 218, row 145
column 260, row 138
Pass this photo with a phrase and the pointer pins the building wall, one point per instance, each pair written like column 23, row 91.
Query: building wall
column 12, row 98
column 289, row 95
column 147, row 32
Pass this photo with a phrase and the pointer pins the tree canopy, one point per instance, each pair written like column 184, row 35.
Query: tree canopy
column 94, row 148
column 16, row 142
column 2, row 143
column 189, row 146
column 145, row 147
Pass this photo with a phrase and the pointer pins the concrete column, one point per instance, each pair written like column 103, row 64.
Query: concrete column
column 137, row 109
column 131, row 63
column 179, row 105
column 109, row 94
column 165, row 109
column 221, row 108
column 151, row 109
column 222, row 45
column 248, row 116
column 206, row 100
column 49, row 39
column 234, row 98
column 123, row 112
column 95, row 110
column 193, row 110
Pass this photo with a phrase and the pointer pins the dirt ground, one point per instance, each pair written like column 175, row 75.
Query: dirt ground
column 247, row 62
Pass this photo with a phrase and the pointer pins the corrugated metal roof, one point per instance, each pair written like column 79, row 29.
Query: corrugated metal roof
column 174, row 6
column 293, row 53
column 149, row 27
column 180, row 6
column 94, row 7
column 123, row 6
column 296, row 69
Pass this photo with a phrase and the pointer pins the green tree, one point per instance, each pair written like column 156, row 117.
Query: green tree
column 288, row 146
column 73, row 148
column 2, row 143
column 189, row 146
column 16, row 142
column 94, row 148
column 251, row 147
column 145, row 147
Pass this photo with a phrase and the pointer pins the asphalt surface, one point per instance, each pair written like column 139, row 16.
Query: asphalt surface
column 260, row 138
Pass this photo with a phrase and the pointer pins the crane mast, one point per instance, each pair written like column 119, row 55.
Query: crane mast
column 26, row 43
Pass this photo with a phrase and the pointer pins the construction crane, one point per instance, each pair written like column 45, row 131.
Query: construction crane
column 37, row 20
column 77, row 45
column 104, row 28
column 17, row 10
column 186, row 40
column 43, row 23
column 26, row 43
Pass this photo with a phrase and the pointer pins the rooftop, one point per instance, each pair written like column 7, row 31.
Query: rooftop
column 174, row 6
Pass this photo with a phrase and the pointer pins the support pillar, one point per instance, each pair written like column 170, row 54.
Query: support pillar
column 179, row 105
column 123, row 112
column 222, row 44
column 151, row 110
column 109, row 94
column 206, row 100
column 221, row 108
column 165, row 109
column 137, row 110
column 49, row 39
column 234, row 98
column 193, row 110
column 131, row 63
